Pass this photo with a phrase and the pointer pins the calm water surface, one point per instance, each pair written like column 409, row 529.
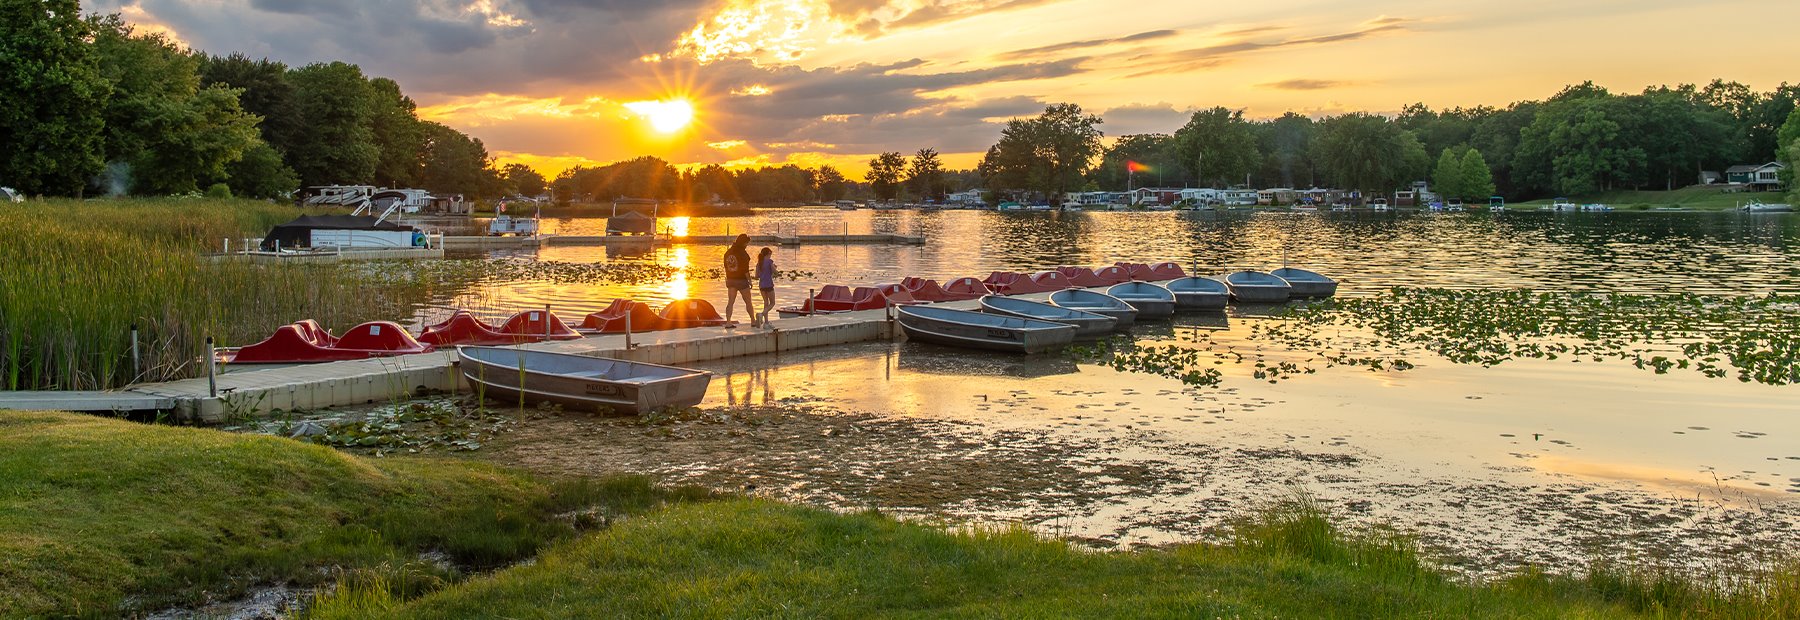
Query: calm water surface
column 1621, row 252
column 1458, row 432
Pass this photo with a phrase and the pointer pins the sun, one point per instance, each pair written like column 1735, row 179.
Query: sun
column 666, row 116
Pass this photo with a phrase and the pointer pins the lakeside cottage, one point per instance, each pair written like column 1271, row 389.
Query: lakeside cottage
column 1757, row 178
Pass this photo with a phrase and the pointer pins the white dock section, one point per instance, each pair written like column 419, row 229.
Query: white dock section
column 84, row 401
column 247, row 391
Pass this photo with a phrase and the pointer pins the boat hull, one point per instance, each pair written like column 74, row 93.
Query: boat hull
column 628, row 393
column 955, row 328
column 1258, row 288
column 1087, row 324
column 1303, row 283
column 1150, row 300
column 1200, row 294
column 1098, row 303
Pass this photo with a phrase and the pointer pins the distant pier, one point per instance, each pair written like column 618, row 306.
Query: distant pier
column 479, row 242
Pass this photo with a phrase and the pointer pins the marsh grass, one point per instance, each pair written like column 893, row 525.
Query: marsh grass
column 76, row 276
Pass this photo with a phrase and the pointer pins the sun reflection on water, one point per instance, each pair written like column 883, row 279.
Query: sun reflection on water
column 677, row 226
column 677, row 288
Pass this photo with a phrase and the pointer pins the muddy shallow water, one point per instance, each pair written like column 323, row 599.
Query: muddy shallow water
column 1491, row 467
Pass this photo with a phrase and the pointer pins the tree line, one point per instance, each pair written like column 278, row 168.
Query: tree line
column 94, row 107
column 1582, row 140
column 890, row 176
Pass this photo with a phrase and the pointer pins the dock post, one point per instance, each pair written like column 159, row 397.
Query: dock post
column 137, row 366
column 628, row 345
column 227, row 249
column 212, row 369
column 546, row 322
column 812, row 302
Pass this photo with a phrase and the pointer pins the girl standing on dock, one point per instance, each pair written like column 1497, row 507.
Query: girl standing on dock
column 737, row 278
column 765, row 281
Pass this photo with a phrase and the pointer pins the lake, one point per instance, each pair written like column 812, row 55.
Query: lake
column 1530, row 460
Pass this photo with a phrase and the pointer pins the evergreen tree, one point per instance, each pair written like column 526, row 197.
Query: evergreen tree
column 1448, row 178
column 1477, row 179
column 52, row 98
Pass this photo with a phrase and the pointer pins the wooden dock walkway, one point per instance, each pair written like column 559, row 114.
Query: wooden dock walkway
column 249, row 391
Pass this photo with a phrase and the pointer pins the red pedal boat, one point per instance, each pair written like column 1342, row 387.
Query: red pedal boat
column 612, row 320
column 305, row 342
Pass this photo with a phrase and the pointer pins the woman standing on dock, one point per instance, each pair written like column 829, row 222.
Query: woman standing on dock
column 765, row 282
column 737, row 278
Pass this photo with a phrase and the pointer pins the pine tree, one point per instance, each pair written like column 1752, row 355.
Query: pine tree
column 1447, row 179
column 1477, row 178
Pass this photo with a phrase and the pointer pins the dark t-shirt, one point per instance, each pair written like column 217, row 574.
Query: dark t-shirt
column 737, row 264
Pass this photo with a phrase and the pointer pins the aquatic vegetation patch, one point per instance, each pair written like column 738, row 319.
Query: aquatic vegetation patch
column 1755, row 339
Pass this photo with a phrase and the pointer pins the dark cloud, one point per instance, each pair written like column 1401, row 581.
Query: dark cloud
column 1300, row 84
column 1198, row 58
column 1140, row 118
column 1073, row 45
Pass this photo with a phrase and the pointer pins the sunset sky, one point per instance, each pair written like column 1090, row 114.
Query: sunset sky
column 553, row 83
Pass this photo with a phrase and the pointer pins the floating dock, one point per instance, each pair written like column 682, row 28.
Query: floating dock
column 331, row 257
column 252, row 391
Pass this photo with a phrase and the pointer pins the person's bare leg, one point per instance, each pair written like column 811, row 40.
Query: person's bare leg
column 768, row 302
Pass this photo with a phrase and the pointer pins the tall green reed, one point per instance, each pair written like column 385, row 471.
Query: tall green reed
column 76, row 276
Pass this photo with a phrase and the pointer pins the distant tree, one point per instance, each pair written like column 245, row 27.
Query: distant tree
column 455, row 163
column 261, row 173
column 1286, row 157
column 399, row 135
column 884, row 175
column 1477, row 178
column 1679, row 133
column 1789, row 138
column 1218, row 146
column 830, row 184
column 263, row 90
column 175, row 136
column 1448, row 179
column 1369, row 153
column 1497, row 137
column 1154, row 149
column 925, row 178
column 523, row 180
column 1048, row 154
column 52, row 98
column 336, row 104
column 1574, row 146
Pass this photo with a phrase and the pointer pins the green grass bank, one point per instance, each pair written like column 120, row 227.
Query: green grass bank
column 101, row 518
column 1697, row 198
column 75, row 276
column 104, row 518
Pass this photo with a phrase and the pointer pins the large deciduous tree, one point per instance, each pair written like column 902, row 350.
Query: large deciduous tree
column 523, row 180
column 1218, row 146
column 164, row 132
column 1789, row 154
column 885, row 171
column 1048, row 154
column 399, row 135
column 52, row 98
column 830, row 184
column 1574, row 145
column 335, row 104
column 1369, row 153
column 925, row 177
column 454, row 163
column 1285, row 144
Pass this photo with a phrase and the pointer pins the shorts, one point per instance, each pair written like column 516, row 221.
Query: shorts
column 737, row 284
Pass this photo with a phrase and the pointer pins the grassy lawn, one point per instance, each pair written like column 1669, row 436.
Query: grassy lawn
column 102, row 517
column 1697, row 198
column 757, row 559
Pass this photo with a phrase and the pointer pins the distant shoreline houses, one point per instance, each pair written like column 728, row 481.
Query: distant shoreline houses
column 1753, row 177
